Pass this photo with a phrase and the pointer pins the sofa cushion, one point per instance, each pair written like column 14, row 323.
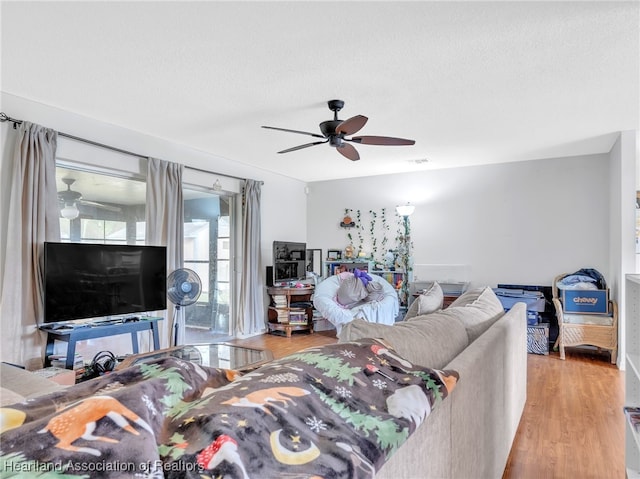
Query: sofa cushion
column 477, row 310
column 7, row 396
column 428, row 302
column 432, row 341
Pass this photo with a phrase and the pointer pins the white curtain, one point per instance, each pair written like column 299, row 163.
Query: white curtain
column 165, row 227
column 33, row 219
column 251, row 314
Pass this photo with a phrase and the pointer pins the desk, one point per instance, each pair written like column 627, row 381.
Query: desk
column 97, row 330
column 446, row 301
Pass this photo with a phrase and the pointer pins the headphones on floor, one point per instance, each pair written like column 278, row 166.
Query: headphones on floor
column 103, row 362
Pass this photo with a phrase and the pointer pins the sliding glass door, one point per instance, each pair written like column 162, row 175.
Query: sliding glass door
column 207, row 251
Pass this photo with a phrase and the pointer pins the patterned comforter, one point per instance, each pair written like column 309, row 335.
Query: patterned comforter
column 337, row 411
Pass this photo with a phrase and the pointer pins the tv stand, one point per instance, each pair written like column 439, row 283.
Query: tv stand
column 72, row 335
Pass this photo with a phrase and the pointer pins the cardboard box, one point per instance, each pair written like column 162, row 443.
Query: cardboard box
column 585, row 301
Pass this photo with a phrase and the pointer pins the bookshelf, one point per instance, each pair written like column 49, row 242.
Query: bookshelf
column 632, row 374
column 335, row 267
column 394, row 278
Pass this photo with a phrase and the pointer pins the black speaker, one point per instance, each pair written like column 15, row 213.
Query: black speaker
column 269, row 276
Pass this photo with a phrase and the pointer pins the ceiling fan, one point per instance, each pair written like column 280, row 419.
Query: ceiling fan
column 70, row 199
column 335, row 133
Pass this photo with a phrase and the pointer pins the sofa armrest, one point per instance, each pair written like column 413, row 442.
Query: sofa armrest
column 25, row 383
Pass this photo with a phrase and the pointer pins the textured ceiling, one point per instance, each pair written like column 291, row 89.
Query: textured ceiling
column 471, row 82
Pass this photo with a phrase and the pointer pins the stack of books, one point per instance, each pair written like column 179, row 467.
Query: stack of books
column 280, row 303
column 60, row 361
column 298, row 316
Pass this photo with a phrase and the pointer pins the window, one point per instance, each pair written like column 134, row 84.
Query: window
column 102, row 208
column 110, row 209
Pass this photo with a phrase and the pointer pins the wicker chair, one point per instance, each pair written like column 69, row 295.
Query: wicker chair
column 577, row 329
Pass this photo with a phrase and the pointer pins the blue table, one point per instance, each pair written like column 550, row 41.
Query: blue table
column 75, row 333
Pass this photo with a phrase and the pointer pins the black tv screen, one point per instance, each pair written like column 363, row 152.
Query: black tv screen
column 83, row 280
column 289, row 261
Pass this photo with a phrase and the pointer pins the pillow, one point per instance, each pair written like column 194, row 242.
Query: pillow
column 469, row 297
column 351, row 291
column 477, row 310
column 431, row 342
column 426, row 303
column 375, row 292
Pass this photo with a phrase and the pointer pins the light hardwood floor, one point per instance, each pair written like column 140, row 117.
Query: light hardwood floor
column 573, row 424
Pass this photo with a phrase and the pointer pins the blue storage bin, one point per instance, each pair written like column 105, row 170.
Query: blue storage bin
column 508, row 297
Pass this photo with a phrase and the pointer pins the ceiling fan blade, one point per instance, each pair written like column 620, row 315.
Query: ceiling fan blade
column 300, row 147
column 348, row 151
column 115, row 209
column 350, row 126
column 381, row 140
column 317, row 135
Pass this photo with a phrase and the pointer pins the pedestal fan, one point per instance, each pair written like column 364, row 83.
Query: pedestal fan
column 183, row 289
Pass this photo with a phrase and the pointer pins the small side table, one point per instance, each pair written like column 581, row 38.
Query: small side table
column 283, row 308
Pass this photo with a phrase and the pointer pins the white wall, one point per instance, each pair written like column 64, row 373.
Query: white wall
column 522, row 222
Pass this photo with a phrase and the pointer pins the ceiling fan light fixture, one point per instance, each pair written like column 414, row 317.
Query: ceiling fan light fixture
column 70, row 211
column 335, row 141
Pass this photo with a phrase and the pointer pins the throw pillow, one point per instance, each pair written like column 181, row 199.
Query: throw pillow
column 351, row 291
column 469, row 297
column 426, row 303
column 477, row 310
column 431, row 342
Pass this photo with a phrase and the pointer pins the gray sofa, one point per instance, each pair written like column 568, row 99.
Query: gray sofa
column 17, row 384
column 470, row 434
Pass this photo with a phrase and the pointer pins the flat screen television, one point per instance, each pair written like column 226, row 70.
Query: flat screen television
column 289, row 261
column 83, row 280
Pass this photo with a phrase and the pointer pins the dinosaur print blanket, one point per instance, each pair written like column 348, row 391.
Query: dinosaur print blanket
column 337, row 411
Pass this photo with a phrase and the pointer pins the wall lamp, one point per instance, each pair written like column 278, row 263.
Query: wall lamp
column 405, row 210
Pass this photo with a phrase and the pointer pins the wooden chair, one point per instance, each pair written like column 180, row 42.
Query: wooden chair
column 579, row 329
